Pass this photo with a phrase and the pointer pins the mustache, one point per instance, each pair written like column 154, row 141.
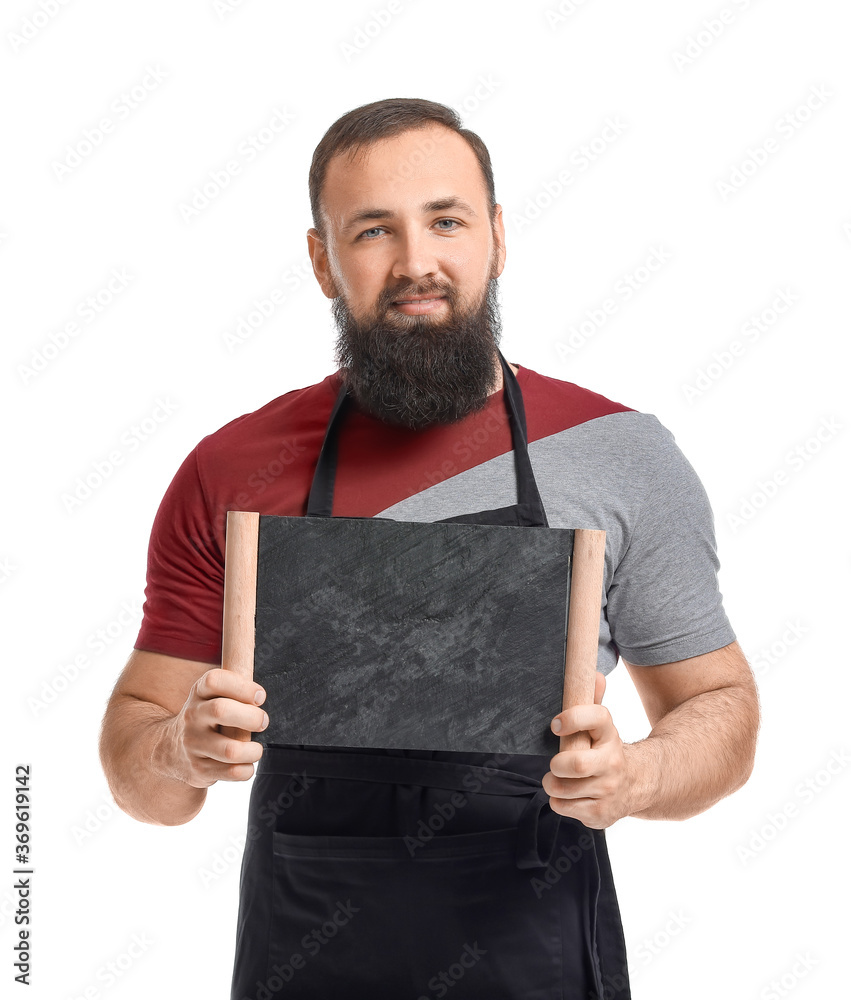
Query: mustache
column 387, row 297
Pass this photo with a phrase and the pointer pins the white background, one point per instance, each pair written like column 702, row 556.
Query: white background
column 726, row 903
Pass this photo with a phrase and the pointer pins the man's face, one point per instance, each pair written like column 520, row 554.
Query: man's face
column 407, row 219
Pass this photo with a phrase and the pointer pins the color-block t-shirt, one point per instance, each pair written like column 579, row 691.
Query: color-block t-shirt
column 598, row 464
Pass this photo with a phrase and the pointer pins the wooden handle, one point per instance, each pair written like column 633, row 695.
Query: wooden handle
column 241, row 536
column 583, row 627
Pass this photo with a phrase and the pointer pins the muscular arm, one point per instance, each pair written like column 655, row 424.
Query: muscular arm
column 160, row 745
column 705, row 717
column 704, row 713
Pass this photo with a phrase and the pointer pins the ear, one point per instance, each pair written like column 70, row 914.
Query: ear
column 499, row 239
column 321, row 264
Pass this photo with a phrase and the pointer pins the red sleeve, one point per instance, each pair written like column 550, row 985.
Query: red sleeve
column 184, row 593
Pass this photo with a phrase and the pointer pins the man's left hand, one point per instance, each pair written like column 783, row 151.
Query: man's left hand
column 590, row 785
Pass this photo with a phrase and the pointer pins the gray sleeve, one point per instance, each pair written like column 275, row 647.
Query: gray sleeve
column 663, row 603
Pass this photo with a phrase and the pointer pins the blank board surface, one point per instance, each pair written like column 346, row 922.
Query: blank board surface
column 371, row 632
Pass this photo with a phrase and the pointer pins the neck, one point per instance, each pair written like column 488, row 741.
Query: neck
column 499, row 379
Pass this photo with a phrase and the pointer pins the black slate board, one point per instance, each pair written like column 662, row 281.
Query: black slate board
column 371, row 632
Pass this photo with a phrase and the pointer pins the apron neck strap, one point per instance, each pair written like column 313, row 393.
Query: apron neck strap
column 320, row 502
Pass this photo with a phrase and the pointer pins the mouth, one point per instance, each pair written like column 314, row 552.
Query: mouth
column 420, row 304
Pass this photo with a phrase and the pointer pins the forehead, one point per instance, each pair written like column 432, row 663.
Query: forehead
column 403, row 170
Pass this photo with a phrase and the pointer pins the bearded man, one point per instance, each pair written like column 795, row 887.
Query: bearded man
column 515, row 896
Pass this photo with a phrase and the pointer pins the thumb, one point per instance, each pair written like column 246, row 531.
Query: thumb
column 599, row 687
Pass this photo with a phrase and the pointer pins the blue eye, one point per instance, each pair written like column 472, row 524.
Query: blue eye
column 378, row 229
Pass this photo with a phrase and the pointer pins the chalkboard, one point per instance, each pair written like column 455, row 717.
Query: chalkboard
column 371, row 632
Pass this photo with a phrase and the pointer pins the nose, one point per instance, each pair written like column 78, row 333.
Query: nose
column 415, row 257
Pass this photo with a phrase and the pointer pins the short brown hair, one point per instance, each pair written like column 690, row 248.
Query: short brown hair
column 362, row 126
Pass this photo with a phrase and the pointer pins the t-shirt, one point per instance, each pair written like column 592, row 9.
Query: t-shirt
column 598, row 464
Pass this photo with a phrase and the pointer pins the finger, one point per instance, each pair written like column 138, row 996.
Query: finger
column 590, row 777
column 218, row 683
column 582, row 719
column 569, row 789
column 587, row 811
column 560, row 788
column 227, row 712
column 206, row 772
column 218, row 749
column 576, row 763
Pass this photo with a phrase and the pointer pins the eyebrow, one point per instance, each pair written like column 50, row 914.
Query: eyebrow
column 439, row 205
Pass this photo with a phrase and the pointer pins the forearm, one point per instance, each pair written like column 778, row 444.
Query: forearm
column 694, row 756
column 141, row 761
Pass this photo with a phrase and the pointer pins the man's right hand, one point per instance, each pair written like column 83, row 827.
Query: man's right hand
column 160, row 743
column 199, row 751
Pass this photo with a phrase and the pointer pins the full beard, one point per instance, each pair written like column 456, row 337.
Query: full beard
column 415, row 370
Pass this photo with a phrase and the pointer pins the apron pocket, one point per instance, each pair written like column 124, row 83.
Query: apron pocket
column 409, row 919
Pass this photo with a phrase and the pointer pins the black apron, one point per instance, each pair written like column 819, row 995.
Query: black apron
column 404, row 874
